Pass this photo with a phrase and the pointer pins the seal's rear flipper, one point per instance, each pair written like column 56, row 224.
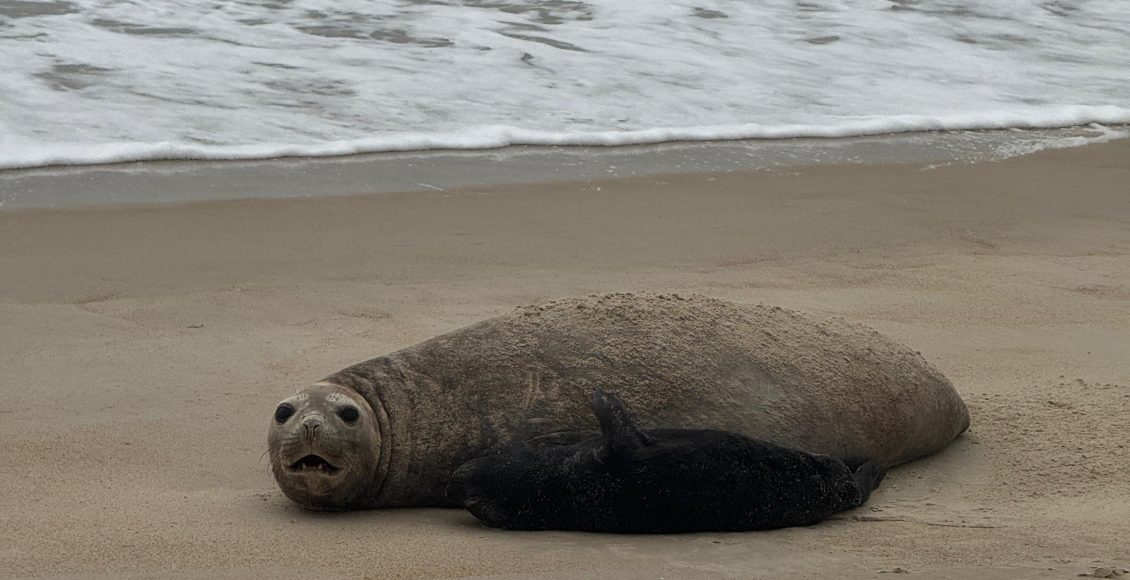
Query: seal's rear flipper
column 616, row 426
column 867, row 477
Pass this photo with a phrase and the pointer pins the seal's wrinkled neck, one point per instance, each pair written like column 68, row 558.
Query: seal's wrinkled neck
column 379, row 383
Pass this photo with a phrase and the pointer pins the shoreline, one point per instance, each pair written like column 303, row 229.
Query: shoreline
column 175, row 181
column 145, row 347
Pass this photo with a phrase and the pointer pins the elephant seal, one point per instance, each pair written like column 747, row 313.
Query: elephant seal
column 629, row 480
column 799, row 380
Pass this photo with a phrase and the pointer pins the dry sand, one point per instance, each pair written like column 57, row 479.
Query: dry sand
column 143, row 350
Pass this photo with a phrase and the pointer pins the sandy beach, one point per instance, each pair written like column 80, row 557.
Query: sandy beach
column 145, row 347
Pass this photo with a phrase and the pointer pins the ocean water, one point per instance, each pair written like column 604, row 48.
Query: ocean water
column 91, row 81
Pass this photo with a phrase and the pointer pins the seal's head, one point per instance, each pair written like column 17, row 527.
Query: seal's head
column 325, row 447
column 553, row 487
column 527, row 490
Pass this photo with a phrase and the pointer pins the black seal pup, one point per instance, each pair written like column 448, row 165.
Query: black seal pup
column 658, row 480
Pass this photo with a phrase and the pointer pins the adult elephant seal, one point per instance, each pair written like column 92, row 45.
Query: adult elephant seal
column 390, row 431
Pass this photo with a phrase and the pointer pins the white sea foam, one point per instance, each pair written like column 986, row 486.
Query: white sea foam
column 88, row 81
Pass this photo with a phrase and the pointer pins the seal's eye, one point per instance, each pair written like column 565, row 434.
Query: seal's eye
column 349, row 414
column 283, row 413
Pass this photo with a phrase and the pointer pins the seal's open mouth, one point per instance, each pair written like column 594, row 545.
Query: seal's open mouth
column 314, row 464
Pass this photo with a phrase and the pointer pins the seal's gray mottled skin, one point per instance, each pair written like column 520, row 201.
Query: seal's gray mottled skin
column 799, row 380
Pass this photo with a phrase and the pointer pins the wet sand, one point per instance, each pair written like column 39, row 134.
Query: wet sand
column 144, row 348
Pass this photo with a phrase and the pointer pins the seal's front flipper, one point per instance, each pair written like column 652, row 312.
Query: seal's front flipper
column 620, row 434
column 867, row 477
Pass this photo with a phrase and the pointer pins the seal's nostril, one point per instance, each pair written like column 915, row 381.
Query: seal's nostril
column 311, row 427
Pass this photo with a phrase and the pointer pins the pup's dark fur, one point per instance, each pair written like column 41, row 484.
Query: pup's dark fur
column 658, row 480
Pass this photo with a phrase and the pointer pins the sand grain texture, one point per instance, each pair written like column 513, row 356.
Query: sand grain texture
column 143, row 350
